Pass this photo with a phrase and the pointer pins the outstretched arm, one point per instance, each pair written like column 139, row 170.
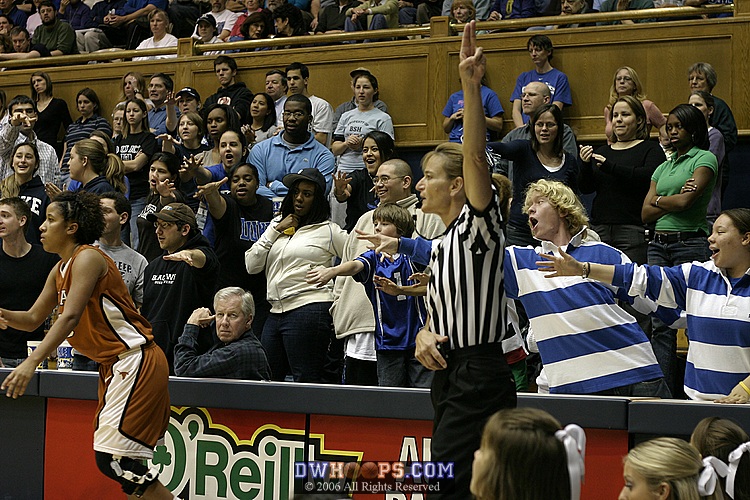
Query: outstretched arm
column 565, row 265
column 471, row 69
column 322, row 275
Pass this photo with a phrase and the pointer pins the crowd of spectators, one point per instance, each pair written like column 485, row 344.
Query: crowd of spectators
column 203, row 179
column 82, row 26
column 221, row 217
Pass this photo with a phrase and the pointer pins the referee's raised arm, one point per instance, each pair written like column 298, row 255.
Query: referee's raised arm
column 471, row 69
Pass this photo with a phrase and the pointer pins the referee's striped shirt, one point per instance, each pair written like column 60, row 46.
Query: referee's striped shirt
column 466, row 296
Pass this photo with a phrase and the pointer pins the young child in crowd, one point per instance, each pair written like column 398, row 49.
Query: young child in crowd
column 397, row 318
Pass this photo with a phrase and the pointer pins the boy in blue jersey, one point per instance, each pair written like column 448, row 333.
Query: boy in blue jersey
column 397, row 318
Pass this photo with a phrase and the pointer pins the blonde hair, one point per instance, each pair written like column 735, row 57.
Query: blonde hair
column 453, row 158
column 672, row 461
column 138, row 78
column 469, row 4
column 562, row 198
column 102, row 163
column 637, row 91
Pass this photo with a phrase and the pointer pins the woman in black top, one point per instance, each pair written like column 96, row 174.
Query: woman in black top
column 164, row 181
column 52, row 113
column 356, row 188
column 26, row 183
column 135, row 148
column 620, row 175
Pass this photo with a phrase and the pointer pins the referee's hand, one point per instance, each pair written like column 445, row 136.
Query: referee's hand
column 426, row 350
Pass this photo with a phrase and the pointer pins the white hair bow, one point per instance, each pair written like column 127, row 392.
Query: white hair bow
column 734, row 463
column 573, row 439
column 712, row 469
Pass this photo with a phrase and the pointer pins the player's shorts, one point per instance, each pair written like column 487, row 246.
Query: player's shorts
column 133, row 410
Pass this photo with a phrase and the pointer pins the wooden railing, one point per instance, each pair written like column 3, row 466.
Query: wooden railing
column 418, row 74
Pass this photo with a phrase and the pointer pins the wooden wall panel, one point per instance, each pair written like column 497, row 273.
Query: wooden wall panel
column 417, row 76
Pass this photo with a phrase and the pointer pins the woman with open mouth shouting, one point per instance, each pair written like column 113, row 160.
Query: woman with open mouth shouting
column 714, row 294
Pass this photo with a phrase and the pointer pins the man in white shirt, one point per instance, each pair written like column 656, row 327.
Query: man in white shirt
column 297, row 77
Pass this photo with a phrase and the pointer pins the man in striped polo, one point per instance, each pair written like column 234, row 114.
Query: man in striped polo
column 588, row 343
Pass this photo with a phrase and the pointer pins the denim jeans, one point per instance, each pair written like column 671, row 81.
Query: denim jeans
column 297, row 341
column 664, row 339
column 12, row 362
column 132, row 228
column 656, row 388
column 629, row 239
column 401, row 369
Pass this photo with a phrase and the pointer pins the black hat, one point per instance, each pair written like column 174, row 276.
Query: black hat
column 175, row 212
column 189, row 91
column 207, row 18
column 306, row 174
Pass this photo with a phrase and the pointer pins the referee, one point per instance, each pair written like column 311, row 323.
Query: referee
column 466, row 298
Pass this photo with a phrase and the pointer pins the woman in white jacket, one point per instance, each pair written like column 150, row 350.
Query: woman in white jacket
column 299, row 328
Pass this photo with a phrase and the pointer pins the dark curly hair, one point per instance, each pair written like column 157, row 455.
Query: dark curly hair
column 84, row 209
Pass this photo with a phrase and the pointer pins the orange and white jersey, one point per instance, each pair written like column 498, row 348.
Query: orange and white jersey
column 110, row 323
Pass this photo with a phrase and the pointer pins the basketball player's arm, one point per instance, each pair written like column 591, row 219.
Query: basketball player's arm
column 87, row 268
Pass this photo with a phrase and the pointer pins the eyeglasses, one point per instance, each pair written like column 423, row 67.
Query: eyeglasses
column 163, row 225
column 296, row 114
column 385, row 179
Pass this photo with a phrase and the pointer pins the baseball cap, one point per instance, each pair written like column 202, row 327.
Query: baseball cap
column 306, row 174
column 189, row 91
column 207, row 18
column 360, row 71
column 175, row 212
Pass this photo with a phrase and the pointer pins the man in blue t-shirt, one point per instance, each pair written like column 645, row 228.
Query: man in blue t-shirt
column 453, row 124
column 540, row 49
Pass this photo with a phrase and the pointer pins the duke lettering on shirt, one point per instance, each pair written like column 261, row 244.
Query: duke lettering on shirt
column 252, row 230
column 34, row 204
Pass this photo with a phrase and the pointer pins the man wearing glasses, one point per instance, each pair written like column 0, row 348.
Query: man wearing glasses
column 180, row 281
column 291, row 151
column 352, row 319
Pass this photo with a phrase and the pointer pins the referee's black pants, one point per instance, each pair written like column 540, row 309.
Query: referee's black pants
column 476, row 384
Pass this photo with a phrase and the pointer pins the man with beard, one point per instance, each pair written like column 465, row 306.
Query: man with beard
column 291, row 151
column 180, row 281
column 57, row 36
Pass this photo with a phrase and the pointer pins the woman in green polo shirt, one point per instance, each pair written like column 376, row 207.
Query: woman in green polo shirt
column 676, row 203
